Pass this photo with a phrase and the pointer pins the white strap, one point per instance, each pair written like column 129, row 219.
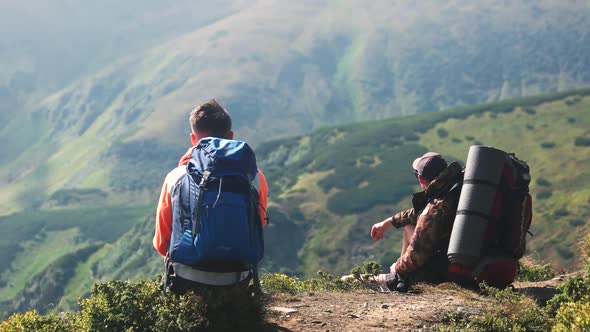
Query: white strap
column 208, row 278
column 256, row 182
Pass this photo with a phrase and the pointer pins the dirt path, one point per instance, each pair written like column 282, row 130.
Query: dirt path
column 366, row 311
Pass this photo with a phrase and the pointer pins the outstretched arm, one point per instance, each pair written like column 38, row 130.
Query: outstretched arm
column 401, row 219
column 407, row 217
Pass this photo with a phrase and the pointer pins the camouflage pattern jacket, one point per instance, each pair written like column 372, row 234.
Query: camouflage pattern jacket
column 433, row 228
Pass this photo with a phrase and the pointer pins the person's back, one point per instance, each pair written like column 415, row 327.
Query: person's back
column 201, row 254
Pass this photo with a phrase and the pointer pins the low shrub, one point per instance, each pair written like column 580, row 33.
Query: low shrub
column 69, row 196
column 530, row 271
column 574, row 289
column 529, row 110
column 442, row 133
column 140, row 306
column 582, row 141
column 411, row 137
column 564, row 251
column 509, row 312
column 32, row 321
column 543, row 194
column 573, row 317
column 561, row 212
column 277, row 283
column 543, row 182
column 571, row 306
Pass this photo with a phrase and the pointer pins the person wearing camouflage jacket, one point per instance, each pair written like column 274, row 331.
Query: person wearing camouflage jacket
column 426, row 227
column 430, row 236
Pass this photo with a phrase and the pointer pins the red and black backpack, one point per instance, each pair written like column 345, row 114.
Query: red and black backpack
column 504, row 241
column 512, row 211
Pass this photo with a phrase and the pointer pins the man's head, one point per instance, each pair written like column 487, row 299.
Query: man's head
column 428, row 167
column 210, row 119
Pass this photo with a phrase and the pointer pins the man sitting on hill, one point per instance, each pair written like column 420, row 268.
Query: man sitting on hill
column 427, row 232
column 207, row 120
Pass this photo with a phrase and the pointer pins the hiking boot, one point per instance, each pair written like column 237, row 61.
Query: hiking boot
column 403, row 284
column 391, row 281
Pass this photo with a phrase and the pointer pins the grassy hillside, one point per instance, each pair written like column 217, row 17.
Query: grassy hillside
column 42, row 249
column 327, row 189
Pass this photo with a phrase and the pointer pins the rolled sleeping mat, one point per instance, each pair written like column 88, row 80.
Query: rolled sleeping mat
column 482, row 176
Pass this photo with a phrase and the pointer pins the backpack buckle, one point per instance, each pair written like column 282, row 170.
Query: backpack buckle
column 204, row 178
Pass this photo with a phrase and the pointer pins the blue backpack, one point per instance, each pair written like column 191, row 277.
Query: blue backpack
column 216, row 222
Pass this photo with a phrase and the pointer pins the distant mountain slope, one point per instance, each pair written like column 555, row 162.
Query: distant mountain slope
column 282, row 68
column 327, row 189
column 46, row 45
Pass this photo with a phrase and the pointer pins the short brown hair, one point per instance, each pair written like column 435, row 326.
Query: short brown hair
column 210, row 118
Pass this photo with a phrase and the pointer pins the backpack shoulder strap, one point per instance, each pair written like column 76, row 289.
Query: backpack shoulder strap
column 252, row 198
column 196, row 220
column 182, row 195
column 255, row 223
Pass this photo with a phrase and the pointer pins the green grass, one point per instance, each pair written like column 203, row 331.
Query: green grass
column 82, row 280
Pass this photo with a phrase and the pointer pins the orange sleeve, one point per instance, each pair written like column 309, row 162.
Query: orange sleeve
column 163, row 221
column 263, row 196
